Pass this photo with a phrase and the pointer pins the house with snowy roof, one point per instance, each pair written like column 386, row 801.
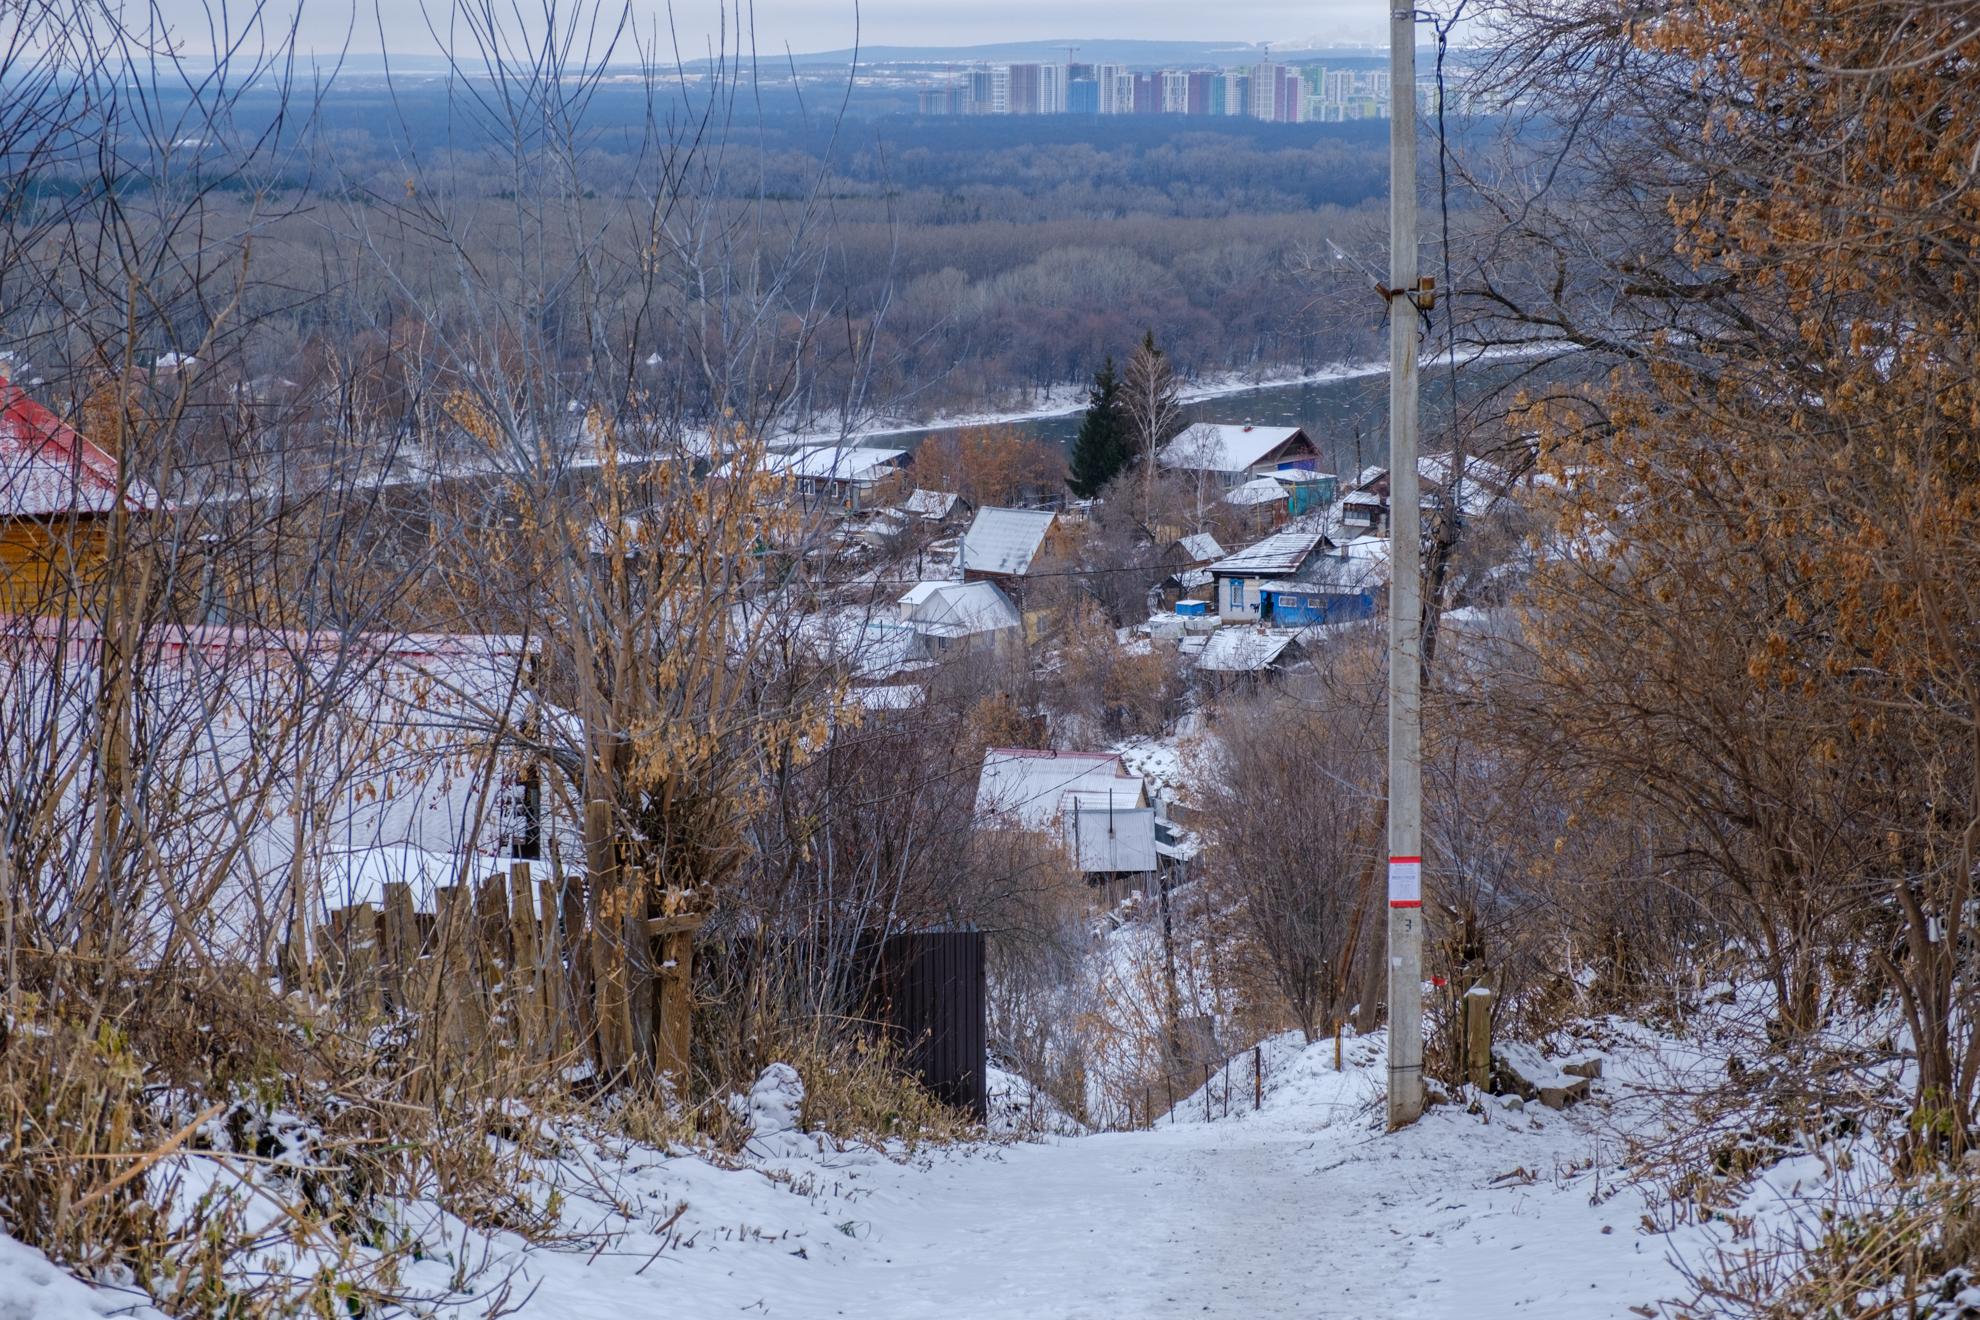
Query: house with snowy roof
column 1086, row 801
column 1014, row 549
column 1245, row 657
column 1365, row 508
column 1283, row 557
column 842, row 476
column 300, row 771
column 57, row 494
column 1237, row 453
column 952, row 619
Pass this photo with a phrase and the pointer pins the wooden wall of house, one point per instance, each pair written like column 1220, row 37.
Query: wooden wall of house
column 47, row 565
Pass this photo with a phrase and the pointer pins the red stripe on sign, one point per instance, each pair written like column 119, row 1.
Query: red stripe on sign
column 1405, row 859
column 1405, row 902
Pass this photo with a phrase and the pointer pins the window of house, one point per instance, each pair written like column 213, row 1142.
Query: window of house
column 1237, row 593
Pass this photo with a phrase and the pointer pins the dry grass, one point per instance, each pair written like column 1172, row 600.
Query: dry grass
column 223, row 1150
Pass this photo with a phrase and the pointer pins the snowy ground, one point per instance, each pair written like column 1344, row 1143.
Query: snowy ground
column 1304, row 1208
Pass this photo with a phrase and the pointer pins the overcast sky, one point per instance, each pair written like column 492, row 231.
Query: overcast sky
column 812, row 25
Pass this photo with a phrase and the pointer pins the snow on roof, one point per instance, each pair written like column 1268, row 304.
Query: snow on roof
column 930, row 504
column 871, row 647
column 1243, row 650
column 1031, row 789
column 1201, row 548
column 917, row 593
column 47, row 468
column 1336, row 574
column 1219, row 447
column 1004, row 540
column 888, row 696
column 1259, row 490
column 829, row 463
column 1277, row 555
column 958, row 609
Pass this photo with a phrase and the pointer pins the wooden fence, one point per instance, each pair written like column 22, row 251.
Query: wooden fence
column 514, row 967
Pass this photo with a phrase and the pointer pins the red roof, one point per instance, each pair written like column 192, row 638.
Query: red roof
column 47, row 468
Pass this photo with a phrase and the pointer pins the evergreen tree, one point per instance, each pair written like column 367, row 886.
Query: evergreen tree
column 1105, row 444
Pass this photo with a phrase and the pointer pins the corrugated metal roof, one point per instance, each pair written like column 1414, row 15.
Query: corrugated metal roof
column 1243, row 650
column 1219, row 447
column 931, row 504
column 1033, row 789
column 1259, row 490
column 47, row 468
column 1105, row 839
column 957, row 609
column 828, row 463
column 1278, row 555
column 1004, row 540
column 1201, row 548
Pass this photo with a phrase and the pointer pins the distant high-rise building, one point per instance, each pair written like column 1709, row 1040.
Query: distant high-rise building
column 1199, row 91
column 1025, row 82
column 1277, row 95
column 1238, row 101
column 1175, row 93
column 1051, row 89
column 1110, row 77
column 1147, row 93
column 1076, row 71
column 1000, row 90
column 1083, row 96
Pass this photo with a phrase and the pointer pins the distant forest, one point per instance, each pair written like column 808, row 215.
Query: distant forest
column 929, row 265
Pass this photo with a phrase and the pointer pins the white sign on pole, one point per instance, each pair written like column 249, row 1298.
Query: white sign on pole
column 1405, row 882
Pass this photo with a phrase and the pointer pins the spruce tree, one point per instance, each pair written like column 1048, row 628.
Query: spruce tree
column 1104, row 445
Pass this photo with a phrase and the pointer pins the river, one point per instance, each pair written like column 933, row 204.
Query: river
column 1347, row 416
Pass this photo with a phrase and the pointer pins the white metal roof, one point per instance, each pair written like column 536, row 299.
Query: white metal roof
column 1259, row 490
column 931, row 504
column 1220, row 447
column 1201, row 548
column 1243, row 650
column 1278, row 555
column 1033, row 789
column 1336, row 574
column 1107, row 838
column 958, row 609
column 1003, row 540
column 829, row 463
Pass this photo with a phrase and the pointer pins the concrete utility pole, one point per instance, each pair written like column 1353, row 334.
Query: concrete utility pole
column 1405, row 593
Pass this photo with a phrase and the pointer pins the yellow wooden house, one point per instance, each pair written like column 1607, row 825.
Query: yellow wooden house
column 57, row 491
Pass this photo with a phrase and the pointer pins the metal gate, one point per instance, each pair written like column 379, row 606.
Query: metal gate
column 930, row 997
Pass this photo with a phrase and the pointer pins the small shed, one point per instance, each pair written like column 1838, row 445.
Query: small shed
column 1233, row 657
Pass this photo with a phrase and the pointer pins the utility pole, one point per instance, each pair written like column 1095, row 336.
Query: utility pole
column 1405, row 592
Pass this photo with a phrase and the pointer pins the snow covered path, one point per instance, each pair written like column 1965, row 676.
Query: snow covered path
column 1303, row 1209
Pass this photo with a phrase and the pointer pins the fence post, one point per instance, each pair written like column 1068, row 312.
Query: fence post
column 674, row 1031
column 550, row 946
column 525, row 964
column 1478, row 1036
column 360, row 935
column 1206, row 1093
column 401, row 953
column 1337, row 1044
column 1257, row 1077
column 607, row 915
